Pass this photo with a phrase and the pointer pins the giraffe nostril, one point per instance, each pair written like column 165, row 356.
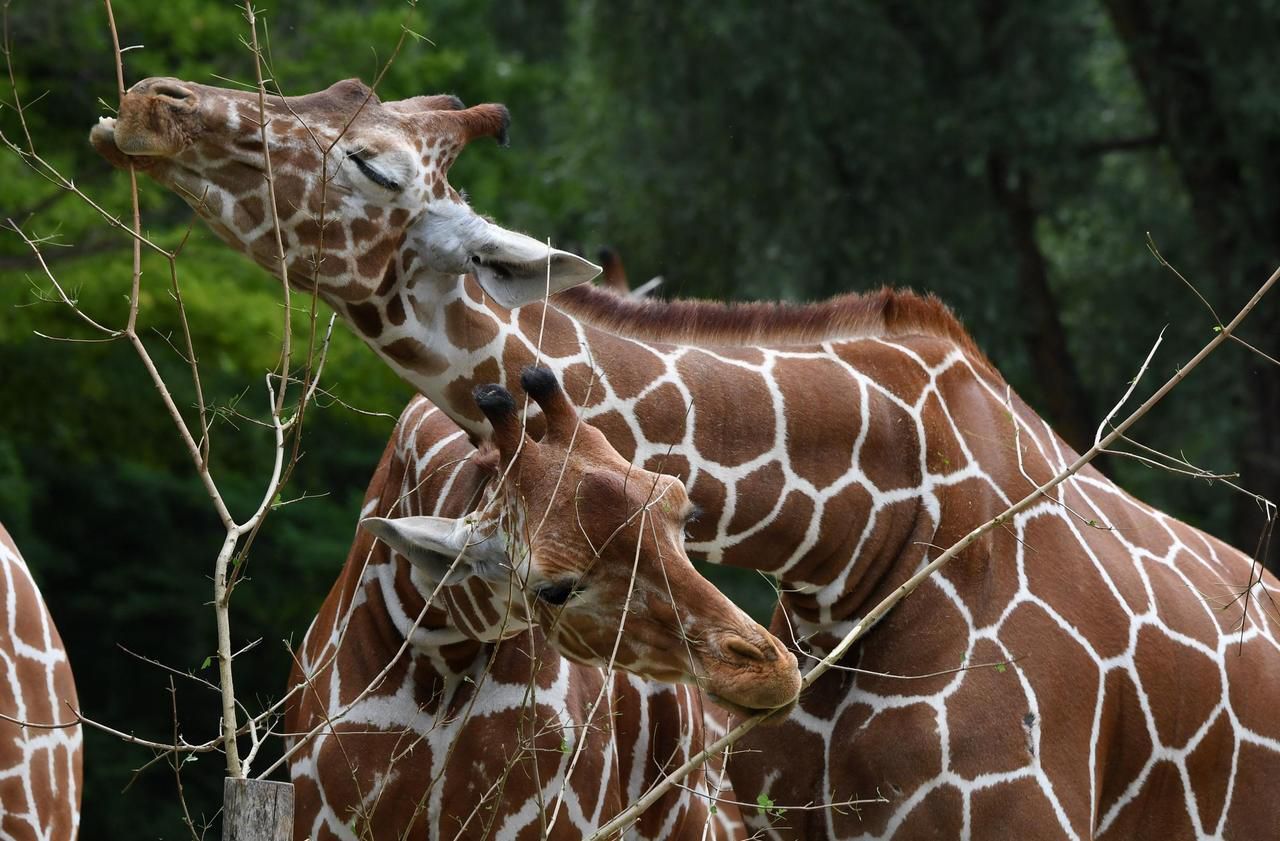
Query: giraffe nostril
column 176, row 93
column 739, row 646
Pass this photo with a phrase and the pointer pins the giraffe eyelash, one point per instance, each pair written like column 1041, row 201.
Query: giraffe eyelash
column 372, row 174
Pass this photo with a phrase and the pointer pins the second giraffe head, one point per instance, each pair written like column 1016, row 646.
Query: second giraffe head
column 592, row 548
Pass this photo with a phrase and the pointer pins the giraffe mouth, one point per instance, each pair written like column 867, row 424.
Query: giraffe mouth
column 775, row 714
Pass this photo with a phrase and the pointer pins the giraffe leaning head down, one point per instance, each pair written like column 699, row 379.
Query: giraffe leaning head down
column 360, row 185
column 591, row 548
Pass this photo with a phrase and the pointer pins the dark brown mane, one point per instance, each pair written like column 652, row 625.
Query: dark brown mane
column 885, row 313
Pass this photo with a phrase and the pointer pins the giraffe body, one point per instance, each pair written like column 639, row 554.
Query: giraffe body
column 834, row 445
column 40, row 768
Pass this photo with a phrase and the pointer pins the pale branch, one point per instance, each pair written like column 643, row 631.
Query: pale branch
column 629, row 815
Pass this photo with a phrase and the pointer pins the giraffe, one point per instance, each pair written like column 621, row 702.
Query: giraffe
column 40, row 767
column 478, row 698
column 834, row 445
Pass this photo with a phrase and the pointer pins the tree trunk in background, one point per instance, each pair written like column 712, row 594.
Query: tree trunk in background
column 1238, row 217
column 1065, row 399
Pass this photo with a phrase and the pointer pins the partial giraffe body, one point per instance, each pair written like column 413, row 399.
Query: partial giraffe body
column 835, row 446
column 40, row 768
column 466, row 737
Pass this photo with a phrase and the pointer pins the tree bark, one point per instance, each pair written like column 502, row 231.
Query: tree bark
column 256, row 810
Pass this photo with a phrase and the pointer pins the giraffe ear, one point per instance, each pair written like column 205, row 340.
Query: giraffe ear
column 515, row 270
column 433, row 544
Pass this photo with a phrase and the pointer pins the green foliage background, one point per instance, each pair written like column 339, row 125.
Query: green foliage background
column 1009, row 156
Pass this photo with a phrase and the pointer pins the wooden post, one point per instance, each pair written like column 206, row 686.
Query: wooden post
column 257, row 810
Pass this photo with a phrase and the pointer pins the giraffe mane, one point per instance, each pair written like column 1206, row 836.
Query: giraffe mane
column 884, row 313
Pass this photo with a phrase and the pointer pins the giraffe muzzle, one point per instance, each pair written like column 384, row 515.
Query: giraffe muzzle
column 157, row 119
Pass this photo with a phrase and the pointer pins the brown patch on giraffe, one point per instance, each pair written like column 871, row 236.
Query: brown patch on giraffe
column 584, row 386
column 890, row 454
column 471, row 287
column 733, row 410
column 288, row 187
column 515, row 356
column 943, row 452
column 1059, row 671
column 669, row 464
column 373, row 261
column 844, row 517
column 412, row 354
column 822, row 409
column 767, row 548
column 939, row 815
column 989, row 718
column 397, row 219
column 458, row 392
column 249, row 212
column 559, row 340
column 663, row 407
column 470, row 330
column 1123, row 744
column 1019, row 808
column 936, row 643
column 709, row 493
column 389, row 278
column 1060, row 573
column 895, row 547
column 1252, row 691
column 615, row 428
column 363, row 231
column 896, row 774
column 316, row 233
column 751, row 764
column 985, row 572
column 627, row 380
column 395, row 310
column 1166, row 671
column 1206, row 766
column 1255, row 810
column 759, row 493
column 890, row 368
column 367, row 319
column 1189, row 606
column 1158, row 810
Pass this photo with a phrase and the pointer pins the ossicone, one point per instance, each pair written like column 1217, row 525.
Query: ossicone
column 493, row 399
column 542, row 385
column 539, row 383
column 499, row 407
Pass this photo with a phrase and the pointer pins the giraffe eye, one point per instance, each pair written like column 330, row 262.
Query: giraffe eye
column 558, row 593
column 373, row 174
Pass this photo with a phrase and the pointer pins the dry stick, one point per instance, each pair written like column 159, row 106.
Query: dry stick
column 631, row 813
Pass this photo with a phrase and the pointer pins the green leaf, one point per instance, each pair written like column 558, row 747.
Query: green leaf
column 1000, row 667
column 713, row 808
column 206, row 662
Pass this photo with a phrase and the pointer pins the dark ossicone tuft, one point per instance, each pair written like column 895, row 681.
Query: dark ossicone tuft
column 454, row 102
column 539, row 383
column 494, row 400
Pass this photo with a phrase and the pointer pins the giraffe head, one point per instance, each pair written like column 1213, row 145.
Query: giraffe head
column 361, row 186
column 595, row 548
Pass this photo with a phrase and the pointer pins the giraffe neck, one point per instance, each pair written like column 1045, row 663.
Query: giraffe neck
column 840, row 507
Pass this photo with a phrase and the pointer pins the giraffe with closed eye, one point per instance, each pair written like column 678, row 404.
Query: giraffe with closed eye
column 1096, row 670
